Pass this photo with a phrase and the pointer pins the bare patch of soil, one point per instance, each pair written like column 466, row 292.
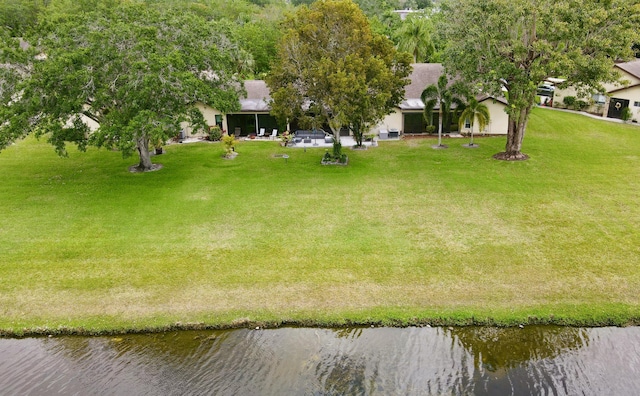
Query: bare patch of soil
column 504, row 156
column 138, row 169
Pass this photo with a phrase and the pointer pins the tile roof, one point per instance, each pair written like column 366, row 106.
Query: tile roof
column 424, row 74
column 632, row 67
column 257, row 98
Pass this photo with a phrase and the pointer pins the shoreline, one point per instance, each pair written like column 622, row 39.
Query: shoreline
column 614, row 319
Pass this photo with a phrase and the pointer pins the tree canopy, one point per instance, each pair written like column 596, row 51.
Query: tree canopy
column 331, row 69
column 517, row 44
column 134, row 69
column 474, row 110
column 414, row 37
column 443, row 95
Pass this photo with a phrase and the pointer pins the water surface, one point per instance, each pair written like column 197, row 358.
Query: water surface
column 535, row 360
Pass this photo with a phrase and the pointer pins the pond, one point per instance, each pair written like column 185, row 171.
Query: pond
column 305, row 361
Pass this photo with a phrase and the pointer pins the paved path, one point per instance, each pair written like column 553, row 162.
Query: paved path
column 597, row 117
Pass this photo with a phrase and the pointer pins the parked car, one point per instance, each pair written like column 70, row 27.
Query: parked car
column 546, row 90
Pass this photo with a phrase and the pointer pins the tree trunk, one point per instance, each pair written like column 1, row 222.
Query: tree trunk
column 142, row 143
column 337, row 146
column 440, row 126
column 357, row 134
column 471, row 143
column 515, row 135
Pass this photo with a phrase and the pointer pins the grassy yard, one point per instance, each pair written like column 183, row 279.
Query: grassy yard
column 403, row 235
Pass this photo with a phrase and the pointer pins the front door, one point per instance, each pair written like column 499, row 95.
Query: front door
column 615, row 107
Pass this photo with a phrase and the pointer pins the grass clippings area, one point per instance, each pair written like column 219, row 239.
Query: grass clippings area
column 403, row 235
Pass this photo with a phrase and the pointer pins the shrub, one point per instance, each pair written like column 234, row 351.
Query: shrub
column 327, row 156
column 215, row 133
column 569, row 101
column 626, row 114
column 581, row 105
column 286, row 137
column 337, row 148
column 431, row 128
column 229, row 144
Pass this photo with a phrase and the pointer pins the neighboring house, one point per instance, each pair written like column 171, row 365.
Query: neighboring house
column 616, row 96
column 407, row 117
column 253, row 115
column 405, row 13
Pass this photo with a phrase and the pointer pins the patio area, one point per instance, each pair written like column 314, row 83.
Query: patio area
column 346, row 141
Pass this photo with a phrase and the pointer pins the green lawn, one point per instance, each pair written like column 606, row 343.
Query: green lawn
column 403, row 235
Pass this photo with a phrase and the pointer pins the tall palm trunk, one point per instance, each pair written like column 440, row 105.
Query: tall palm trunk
column 440, row 126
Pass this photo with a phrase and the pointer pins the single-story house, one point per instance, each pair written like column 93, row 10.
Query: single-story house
column 616, row 96
column 253, row 115
column 407, row 117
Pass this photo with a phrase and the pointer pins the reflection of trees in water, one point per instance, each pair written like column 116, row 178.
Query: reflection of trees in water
column 503, row 348
column 342, row 375
column 155, row 349
column 348, row 332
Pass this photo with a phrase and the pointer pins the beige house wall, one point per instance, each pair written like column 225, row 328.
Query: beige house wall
column 498, row 125
column 498, row 122
column 626, row 77
column 602, row 109
column 633, row 96
column 209, row 114
column 391, row 121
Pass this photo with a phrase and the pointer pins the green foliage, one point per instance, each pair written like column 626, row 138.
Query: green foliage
column 229, row 142
column 443, row 95
column 517, row 44
column 259, row 38
column 286, row 137
column 133, row 69
column 19, row 15
column 327, row 157
column 331, row 62
column 569, row 101
column 475, row 111
column 215, row 133
column 414, row 37
column 581, row 104
column 337, row 148
column 373, row 8
column 626, row 114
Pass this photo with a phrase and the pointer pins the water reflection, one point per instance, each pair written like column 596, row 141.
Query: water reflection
column 384, row 361
column 504, row 348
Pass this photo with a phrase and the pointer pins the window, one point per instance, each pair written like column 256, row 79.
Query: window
column 636, row 104
column 467, row 124
column 415, row 123
column 599, row 98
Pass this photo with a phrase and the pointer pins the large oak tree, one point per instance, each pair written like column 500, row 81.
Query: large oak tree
column 134, row 69
column 517, row 44
column 331, row 69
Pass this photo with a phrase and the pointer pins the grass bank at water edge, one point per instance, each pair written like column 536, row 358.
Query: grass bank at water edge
column 403, row 235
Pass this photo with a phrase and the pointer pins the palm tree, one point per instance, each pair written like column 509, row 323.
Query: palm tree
column 475, row 110
column 445, row 97
column 414, row 37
